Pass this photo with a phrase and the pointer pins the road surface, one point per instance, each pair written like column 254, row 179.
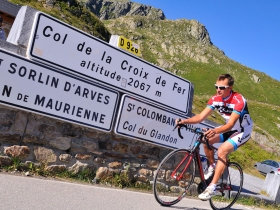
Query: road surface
column 28, row 193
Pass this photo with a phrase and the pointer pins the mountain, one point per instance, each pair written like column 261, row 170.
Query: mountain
column 114, row 9
column 181, row 46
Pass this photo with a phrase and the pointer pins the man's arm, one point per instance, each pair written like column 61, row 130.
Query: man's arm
column 224, row 128
column 198, row 118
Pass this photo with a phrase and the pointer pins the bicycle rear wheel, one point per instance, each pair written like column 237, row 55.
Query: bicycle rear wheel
column 169, row 190
column 228, row 188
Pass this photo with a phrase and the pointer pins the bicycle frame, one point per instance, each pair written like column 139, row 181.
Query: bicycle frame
column 194, row 152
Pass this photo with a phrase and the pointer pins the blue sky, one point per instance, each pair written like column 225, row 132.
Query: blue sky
column 248, row 31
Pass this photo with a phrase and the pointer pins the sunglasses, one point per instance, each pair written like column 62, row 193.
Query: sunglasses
column 221, row 87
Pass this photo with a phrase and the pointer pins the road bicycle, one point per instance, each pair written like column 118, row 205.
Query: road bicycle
column 175, row 175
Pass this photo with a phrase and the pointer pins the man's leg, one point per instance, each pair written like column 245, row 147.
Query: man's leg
column 210, row 156
column 223, row 152
column 210, row 153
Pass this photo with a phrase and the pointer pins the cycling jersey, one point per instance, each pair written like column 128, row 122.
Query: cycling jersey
column 235, row 102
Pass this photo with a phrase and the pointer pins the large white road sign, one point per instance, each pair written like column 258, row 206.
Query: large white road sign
column 36, row 88
column 145, row 122
column 64, row 46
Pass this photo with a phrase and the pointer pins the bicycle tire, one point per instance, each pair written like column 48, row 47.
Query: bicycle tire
column 167, row 190
column 228, row 188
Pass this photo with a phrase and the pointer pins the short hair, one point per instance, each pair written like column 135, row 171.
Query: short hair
column 1, row 19
column 222, row 77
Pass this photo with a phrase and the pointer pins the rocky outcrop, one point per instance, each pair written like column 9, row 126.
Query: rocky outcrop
column 113, row 9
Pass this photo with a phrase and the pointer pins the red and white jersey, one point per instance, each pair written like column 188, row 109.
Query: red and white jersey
column 235, row 102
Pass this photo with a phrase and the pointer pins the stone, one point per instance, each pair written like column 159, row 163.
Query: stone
column 151, row 151
column 152, row 164
column 79, row 167
column 105, row 145
column 101, row 173
column 27, row 173
column 10, row 138
column 30, row 138
column 114, row 155
column 69, row 130
column 136, row 165
column 20, row 121
column 115, row 165
column 256, row 79
column 135, row 150
column 61, row 143
column 145, row 172
column 44, row 155
column 46, row 129
column 6, row 119
column 56, row 168
column 99, row 160
column 5, row 161
column 122, row 148
column 17, row 151
column 90, row 145
column 77, row 146
column 142, row 157
column 142, row 178
column 65, row 157
column 82, row 156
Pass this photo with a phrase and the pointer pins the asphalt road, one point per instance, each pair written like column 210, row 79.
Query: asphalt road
column 28, row 193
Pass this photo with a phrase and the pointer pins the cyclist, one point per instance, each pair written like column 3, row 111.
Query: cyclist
column 235, row 132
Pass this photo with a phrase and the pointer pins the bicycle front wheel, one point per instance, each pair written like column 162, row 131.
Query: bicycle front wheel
column 174, row 176
column 228, row 188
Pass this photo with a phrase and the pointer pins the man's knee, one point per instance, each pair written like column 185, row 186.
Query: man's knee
column 222, row 153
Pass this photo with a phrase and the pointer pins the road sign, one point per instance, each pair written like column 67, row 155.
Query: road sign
column 146, row 122
column 64, row 46
column 36, row 88
column 125, row 44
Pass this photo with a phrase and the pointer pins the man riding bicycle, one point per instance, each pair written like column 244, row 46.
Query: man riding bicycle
column 235, row 132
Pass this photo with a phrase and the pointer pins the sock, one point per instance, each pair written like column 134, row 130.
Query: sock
column 213, row 165
column 213, row 186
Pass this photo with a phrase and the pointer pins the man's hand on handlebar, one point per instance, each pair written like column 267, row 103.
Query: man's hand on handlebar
column 178, row 121
column 209, row 133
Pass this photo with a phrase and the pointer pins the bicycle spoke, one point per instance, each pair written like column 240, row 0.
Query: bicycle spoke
column 228, row 187
column 169, row 190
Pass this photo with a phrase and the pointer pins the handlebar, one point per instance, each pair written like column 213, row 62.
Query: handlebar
column 195, row 130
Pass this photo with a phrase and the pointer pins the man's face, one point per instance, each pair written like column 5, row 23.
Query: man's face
column 222, row 88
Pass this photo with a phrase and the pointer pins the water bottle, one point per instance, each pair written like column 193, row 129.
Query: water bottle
column 204, row 164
